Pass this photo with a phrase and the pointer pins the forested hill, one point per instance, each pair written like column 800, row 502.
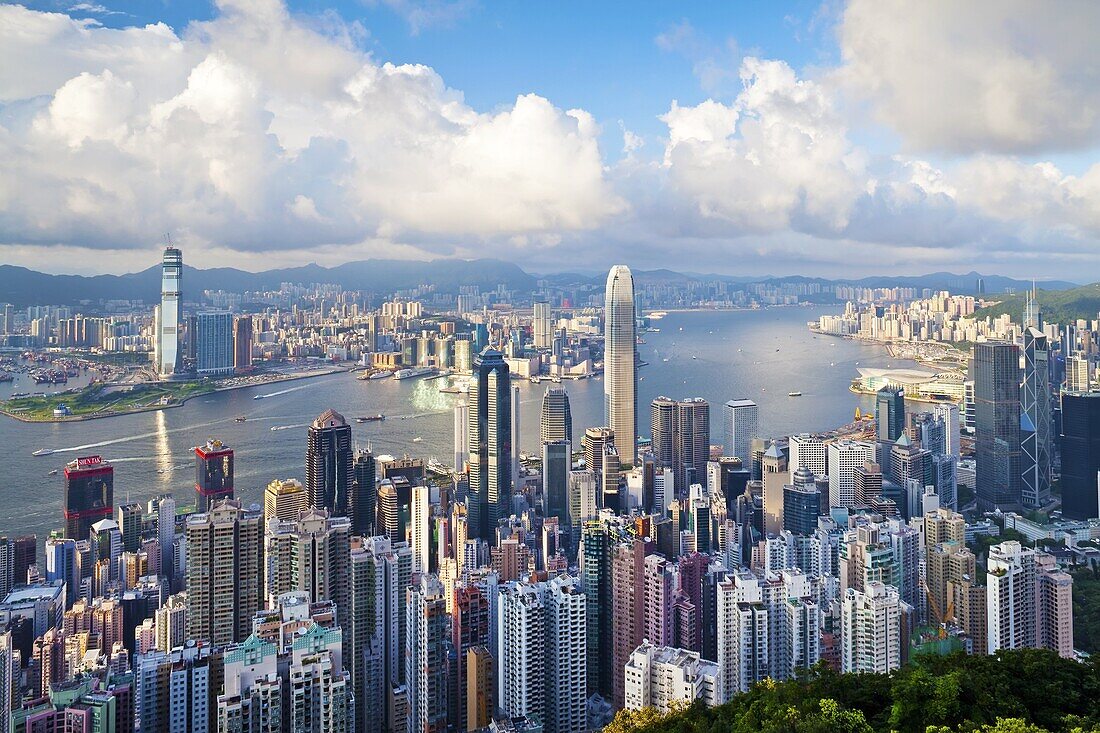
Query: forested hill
column 1024, row 691
column 1057, row 306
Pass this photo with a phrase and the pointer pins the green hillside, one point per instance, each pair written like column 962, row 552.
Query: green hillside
column 1025, row 691
column 1058, row 306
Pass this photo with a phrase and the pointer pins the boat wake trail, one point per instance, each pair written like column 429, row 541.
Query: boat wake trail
column 289, row 427
column 281, row 392
column 140, row 436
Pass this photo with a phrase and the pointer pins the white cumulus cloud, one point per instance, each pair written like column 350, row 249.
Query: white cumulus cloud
column 1008, row 76
column 261, row 130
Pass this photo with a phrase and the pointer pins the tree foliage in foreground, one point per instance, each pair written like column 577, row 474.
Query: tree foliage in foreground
column 1024, row 691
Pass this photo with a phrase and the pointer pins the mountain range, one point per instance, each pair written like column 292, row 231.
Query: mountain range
column 23, row 287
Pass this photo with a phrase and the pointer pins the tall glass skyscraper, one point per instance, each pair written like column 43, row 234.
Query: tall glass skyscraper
column 329, row 460
column 168, row 316
column 490, row 435
column 620, row 364
column 997, row 425
column 890, row 413
column 556, row 420
column 1080, row 454
column 1035, row 403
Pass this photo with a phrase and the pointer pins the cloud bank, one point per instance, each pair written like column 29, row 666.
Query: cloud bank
column 263, row 137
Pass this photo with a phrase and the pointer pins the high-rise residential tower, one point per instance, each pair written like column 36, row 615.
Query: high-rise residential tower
column 541, row 325
column 997, row 425
column 242, row 342
column 462, row 436
column 169, row 314
column 224, row 561
column 681, row 438
column 214, row 343
column 425, row 654
column 620, row 384
column 490, row 436
column 557, row 420
column 329, row 463
column 870, row 629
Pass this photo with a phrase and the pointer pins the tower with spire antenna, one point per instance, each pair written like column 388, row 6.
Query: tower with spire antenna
column 1035, row 397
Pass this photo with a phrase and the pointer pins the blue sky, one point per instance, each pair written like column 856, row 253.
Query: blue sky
column 600, row 56
column 835, row 137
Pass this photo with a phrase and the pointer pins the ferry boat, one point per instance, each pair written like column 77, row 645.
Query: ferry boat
column 239, row 418
column 371, row 418
column 794, row 394
column 42, row 452
column 412, row 372
column 384, row 374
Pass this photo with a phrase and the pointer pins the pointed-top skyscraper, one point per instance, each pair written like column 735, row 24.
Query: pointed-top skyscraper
column 620, row 364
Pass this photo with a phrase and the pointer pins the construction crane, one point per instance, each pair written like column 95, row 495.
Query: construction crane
column 944, row 618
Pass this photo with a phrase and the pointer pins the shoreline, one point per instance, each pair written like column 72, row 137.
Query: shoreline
column 937, row 366
column 18, row 417
column 725, row 309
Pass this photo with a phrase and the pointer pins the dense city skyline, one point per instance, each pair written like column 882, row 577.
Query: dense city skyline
column 486, row 367
column 539, row 593
column 823, row 139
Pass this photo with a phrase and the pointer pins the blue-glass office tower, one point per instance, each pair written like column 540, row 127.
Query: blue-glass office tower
column 490, row 444
column 997, row 425
column 1080, row 454
column 890, row 413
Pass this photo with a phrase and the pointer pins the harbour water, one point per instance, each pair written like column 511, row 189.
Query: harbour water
column 718, row 355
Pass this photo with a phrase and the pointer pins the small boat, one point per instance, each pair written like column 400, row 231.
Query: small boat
column 417, row 439
column 665, row 359
column 42, row 452
column 371, row 418
column 794, row 394
column 239, row 418
column 52, row 473
column 693, row 356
